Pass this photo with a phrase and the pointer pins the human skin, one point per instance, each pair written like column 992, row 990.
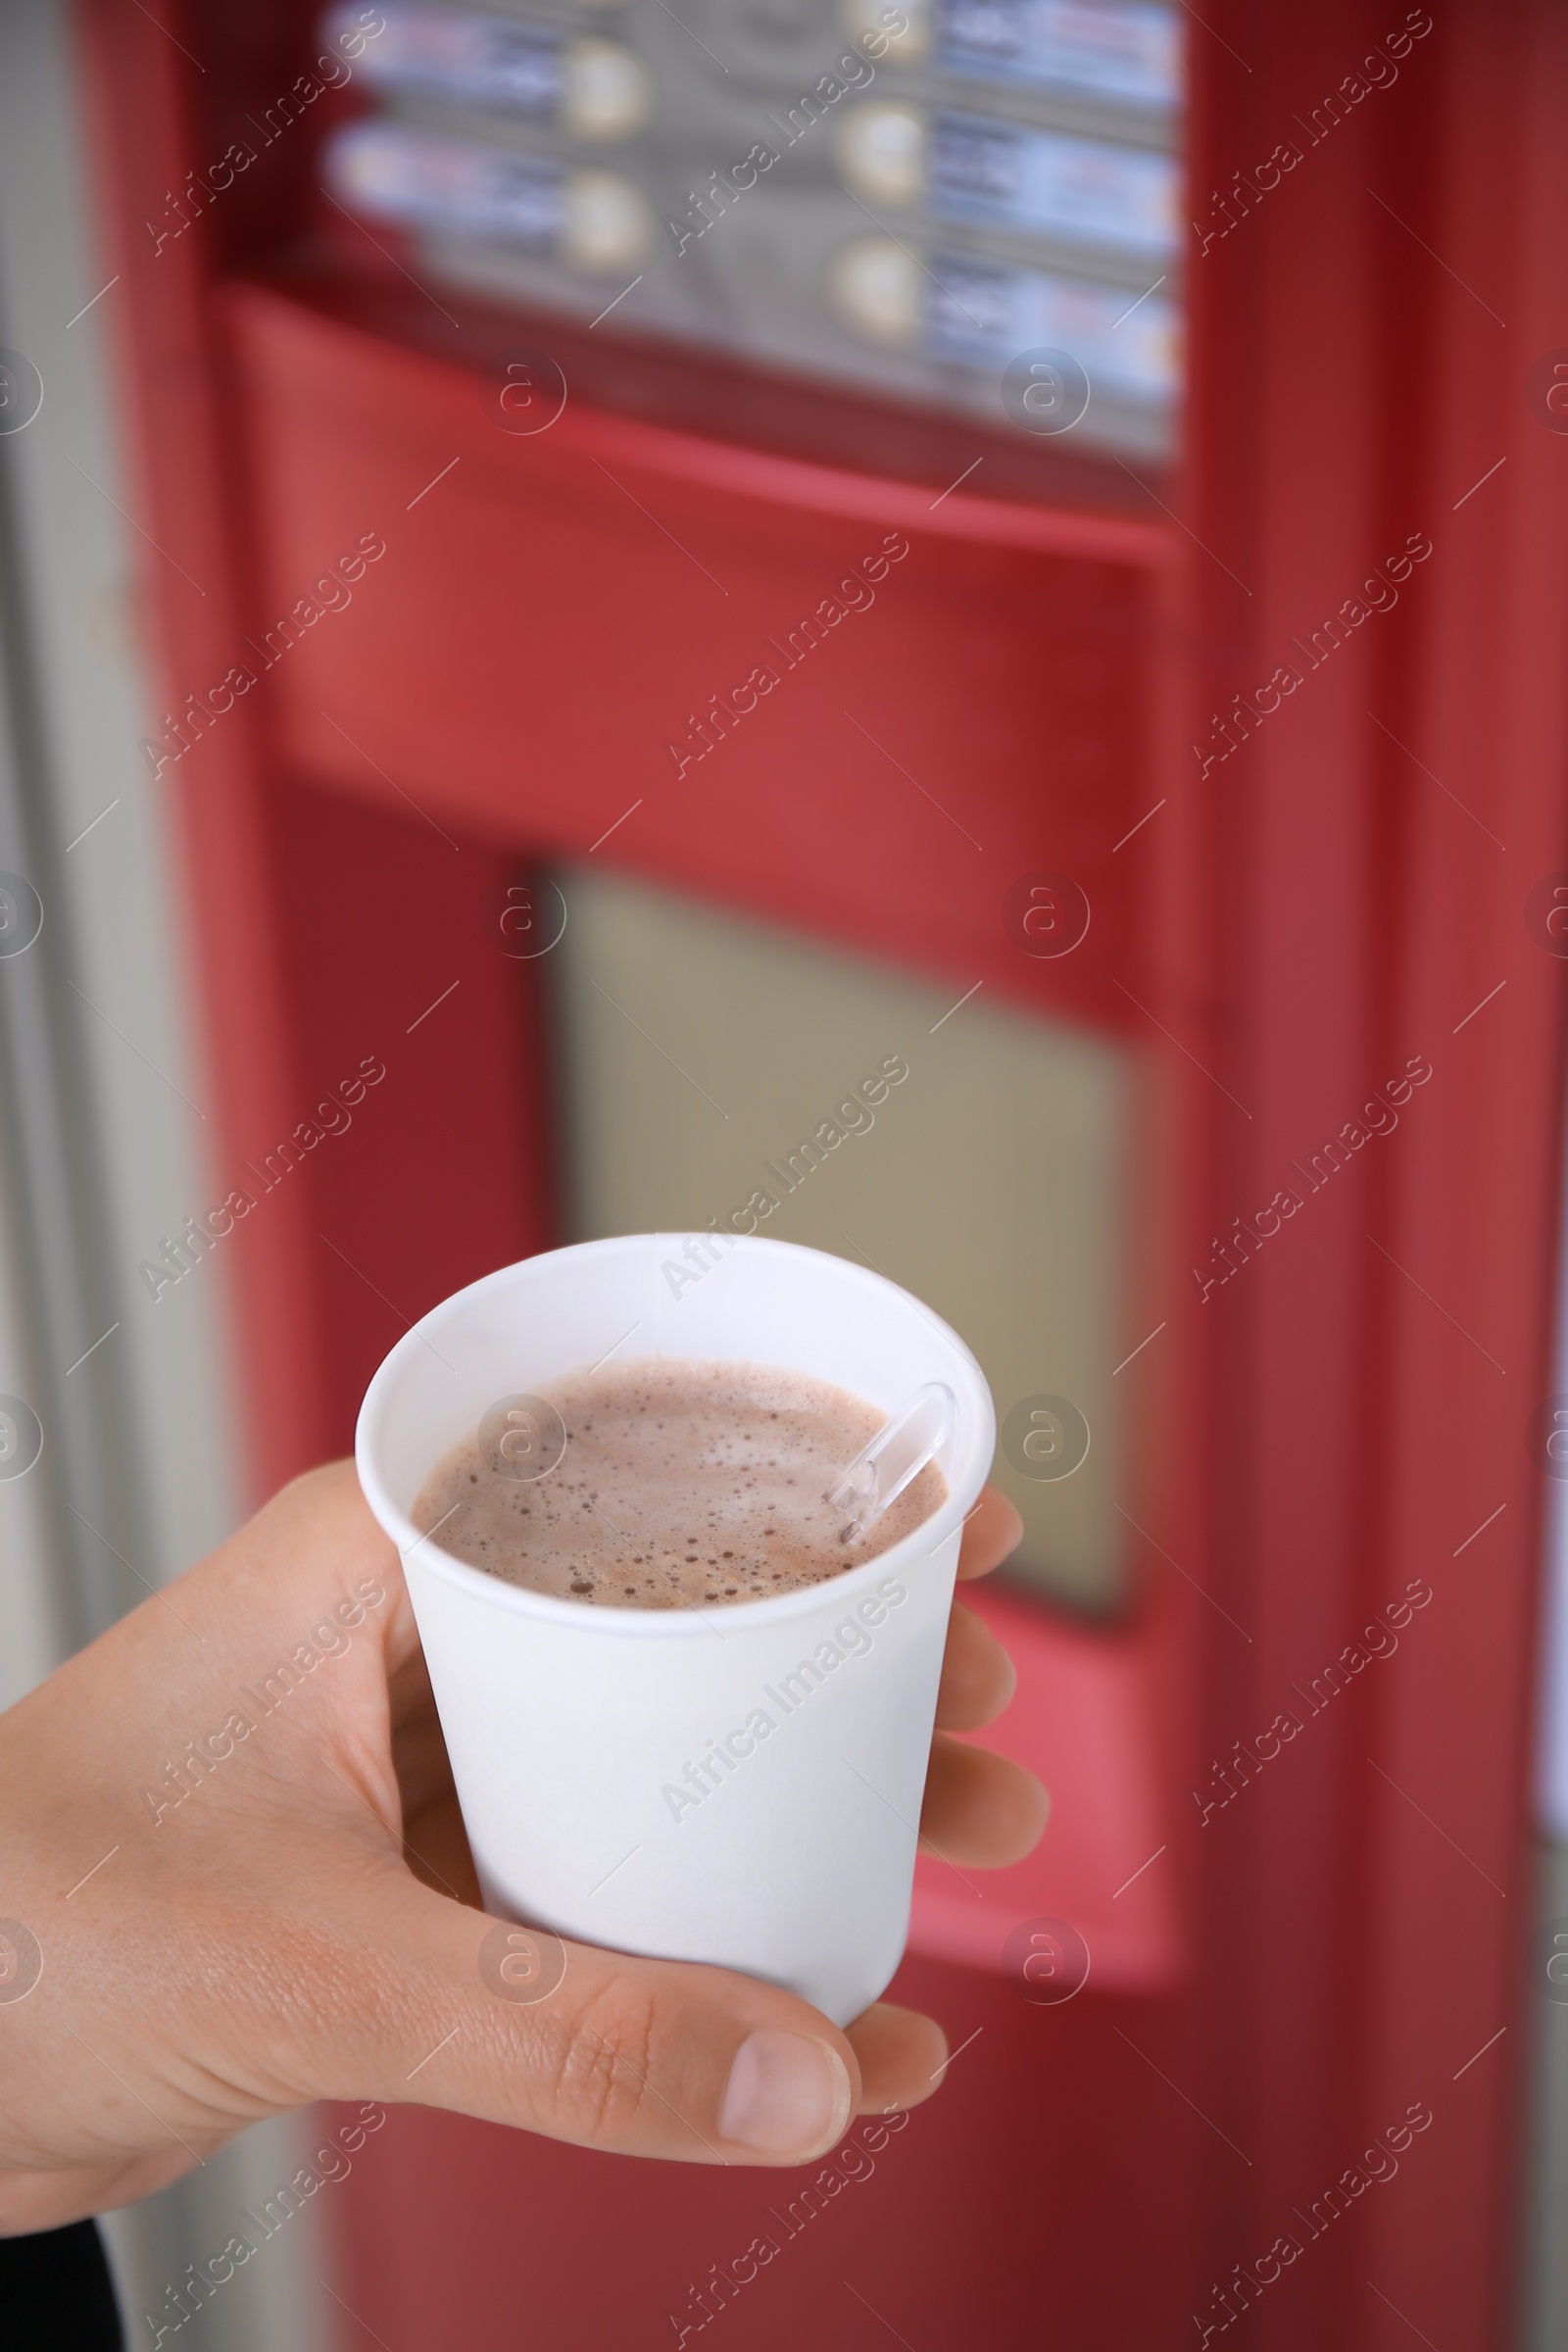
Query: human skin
column 306, row 1922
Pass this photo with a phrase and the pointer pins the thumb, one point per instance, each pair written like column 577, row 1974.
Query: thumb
column 643, row 2057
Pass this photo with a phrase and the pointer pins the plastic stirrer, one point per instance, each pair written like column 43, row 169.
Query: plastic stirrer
column 898, row 1454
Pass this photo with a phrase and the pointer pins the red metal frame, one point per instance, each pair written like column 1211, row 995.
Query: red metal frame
column 1297, row 920
column 1366, row 915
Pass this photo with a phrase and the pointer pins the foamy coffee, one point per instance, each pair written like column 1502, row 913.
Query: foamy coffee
column 681, row 1484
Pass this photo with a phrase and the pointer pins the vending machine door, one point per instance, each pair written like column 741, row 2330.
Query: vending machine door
column 709, row 565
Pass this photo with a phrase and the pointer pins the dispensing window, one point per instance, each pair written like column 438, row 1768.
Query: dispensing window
column 723, row 1075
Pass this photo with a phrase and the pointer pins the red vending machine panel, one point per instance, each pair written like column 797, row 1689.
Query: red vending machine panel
column 700, row 556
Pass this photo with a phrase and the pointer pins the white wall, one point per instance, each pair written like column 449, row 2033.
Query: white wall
column 107, row 1077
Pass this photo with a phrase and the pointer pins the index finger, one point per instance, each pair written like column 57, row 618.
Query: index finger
column 992, row 1530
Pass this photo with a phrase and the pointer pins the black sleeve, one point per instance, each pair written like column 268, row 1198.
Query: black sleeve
column 56, row 2294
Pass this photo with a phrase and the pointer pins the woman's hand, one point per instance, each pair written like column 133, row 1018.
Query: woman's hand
column 222, row 1897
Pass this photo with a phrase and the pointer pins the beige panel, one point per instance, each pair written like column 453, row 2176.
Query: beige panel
column 699, row 1051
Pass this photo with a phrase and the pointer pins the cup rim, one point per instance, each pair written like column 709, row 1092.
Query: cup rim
column 551, row 1609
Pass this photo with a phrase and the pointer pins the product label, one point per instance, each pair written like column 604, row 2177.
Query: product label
column 983, row 313
column 1079, row 191
column 483, row 61
column 392, row 173
column 1116, row 50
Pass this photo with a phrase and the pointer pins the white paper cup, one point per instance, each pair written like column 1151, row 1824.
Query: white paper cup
column 741, row 1787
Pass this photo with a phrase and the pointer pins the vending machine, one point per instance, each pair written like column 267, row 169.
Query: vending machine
column 889, row 625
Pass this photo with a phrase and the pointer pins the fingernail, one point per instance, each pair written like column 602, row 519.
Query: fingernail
column 787, row 2095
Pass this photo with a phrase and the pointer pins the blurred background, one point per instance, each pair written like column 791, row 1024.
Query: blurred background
column 633, row 565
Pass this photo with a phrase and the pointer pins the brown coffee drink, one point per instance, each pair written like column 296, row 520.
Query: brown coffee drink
column 678, row 1483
